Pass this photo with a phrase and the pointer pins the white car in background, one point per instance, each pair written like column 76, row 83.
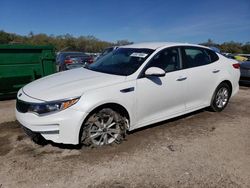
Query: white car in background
column 132, row 87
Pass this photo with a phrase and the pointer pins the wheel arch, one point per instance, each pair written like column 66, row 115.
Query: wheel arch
column 115, row 106
column 223, row 81
column 229, row 84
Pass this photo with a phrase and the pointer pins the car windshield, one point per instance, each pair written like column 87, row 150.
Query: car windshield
column 123, row 61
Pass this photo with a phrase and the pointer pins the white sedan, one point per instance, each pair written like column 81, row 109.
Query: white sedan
column 131, row 87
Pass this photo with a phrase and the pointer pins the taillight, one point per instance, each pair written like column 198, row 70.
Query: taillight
column 90, row 60
column 236, row 65
column 68, row 61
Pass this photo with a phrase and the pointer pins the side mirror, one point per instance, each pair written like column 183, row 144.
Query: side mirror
column 155, row 71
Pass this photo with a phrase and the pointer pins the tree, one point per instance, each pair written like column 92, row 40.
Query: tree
column 231, row 47
column 93, row 44
column 5, row 38
column 210, row 43
column 246, row 48
column 31, row 34
column 123, row 42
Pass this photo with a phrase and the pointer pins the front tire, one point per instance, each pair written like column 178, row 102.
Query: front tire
column 105, row 127
column 221, row 97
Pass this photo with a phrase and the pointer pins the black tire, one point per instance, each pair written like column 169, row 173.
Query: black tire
column 57, row 68
column 217, row 106
column 97, row 126
column 60, row 69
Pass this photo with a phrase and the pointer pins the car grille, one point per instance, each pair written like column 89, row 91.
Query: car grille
column 22, row 106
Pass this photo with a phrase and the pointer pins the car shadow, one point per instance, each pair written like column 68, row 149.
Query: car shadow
column 66, row 146
column 168, row 121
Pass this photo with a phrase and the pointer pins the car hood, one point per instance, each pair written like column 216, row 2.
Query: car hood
column 68, row 84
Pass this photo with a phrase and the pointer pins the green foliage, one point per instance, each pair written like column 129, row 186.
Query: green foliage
column 92, row 44
column 61, row 42
column 123, row 42
column 209, row 42
column 5, row 37
column 230, row 47
column 246, row 48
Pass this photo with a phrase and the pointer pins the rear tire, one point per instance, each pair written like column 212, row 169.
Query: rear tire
column 104, row 127
column 221, row 97
column 60, row 69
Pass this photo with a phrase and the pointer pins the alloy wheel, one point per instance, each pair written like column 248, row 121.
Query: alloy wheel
column 222, row 97
column 104, row 130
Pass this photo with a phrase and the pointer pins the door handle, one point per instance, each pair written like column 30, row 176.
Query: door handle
column 181, row 78
column 216, row 71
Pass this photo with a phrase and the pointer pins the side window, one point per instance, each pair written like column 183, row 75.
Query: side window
column 195, row 57
column 213, row 56
column 167, row 59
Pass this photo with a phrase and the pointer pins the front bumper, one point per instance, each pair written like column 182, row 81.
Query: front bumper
column 60, row 127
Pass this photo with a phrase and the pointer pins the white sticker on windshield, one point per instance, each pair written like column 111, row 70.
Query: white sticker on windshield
column 143, row 55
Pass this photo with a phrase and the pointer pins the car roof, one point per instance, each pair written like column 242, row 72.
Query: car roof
column 155, row 45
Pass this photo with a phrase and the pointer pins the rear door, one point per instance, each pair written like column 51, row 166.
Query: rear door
column 203, row 71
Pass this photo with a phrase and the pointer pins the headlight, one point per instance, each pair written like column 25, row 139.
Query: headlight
column 42, row 108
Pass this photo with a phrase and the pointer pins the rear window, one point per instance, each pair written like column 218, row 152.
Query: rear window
column 213, row 56
column 195, row 56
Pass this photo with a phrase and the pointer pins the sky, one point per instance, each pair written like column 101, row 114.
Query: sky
column 191, row 21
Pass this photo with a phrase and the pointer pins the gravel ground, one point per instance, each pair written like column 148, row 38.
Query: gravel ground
column 202, row 149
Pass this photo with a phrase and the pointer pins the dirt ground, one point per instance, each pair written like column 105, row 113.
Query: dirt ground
column 202, row 149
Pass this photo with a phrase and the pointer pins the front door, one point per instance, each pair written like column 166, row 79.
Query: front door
column 161, row 97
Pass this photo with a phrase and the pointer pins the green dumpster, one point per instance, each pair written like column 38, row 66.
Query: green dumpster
column 21, row 64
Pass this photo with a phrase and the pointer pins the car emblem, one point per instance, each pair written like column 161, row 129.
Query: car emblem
column 20, row 95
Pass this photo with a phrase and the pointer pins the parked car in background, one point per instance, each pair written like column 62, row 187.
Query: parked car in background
column 245, row 72
column 236, row 57
column 244, row 63
column 94, row 55
column 246, row 56
column 71, row 60
column 106, row 51
column 135, row 86
column 240, row 58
